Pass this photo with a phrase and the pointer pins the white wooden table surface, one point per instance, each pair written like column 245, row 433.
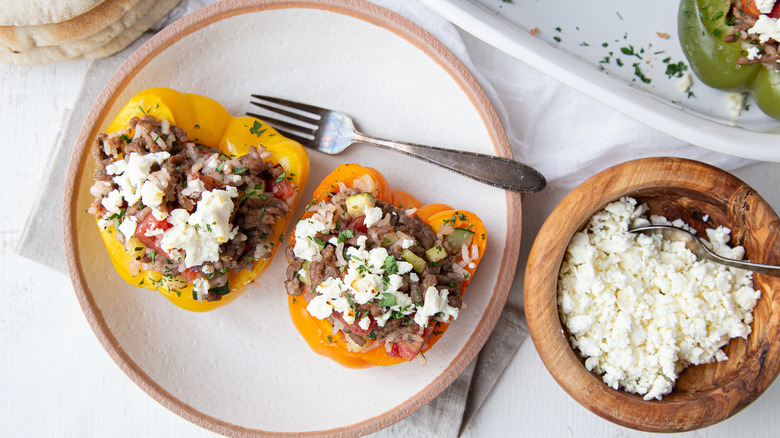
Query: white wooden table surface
column 56, row 380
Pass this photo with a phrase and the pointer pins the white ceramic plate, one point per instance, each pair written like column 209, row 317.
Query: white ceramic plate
column 569, row 46
column 244, row 368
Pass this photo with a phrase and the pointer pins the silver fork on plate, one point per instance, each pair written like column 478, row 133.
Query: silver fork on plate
column 332, row 132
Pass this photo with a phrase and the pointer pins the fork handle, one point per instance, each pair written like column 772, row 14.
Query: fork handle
column 495, row 171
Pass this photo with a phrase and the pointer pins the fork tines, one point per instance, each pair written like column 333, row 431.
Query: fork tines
column 299, row 121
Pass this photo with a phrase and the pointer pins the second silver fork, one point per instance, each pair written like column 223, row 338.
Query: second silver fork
column 332, row 132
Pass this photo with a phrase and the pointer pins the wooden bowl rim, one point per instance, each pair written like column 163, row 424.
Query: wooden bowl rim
column 540, row 298
column 213, row 13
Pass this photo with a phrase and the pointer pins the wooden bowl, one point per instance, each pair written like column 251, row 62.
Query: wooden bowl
column 675, row 188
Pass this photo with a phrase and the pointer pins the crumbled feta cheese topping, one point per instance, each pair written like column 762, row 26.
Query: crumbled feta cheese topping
column 212, row 214
column 128, row 226
column 753, row 53
column 112, row 201
column 641, row 308
column 133, row 173
column 159, row 214
column 194, row 187
column 766, row 28
column 151, row 195
column 765, row 6
column 305, row 245
column 373, row 215
column 435, row 302
column 201, row 287
column 201, row 233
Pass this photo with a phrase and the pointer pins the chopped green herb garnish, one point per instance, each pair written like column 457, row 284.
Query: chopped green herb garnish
column 676, row 70
column 247, row 196
column 349, row 300
column 257, row 129
column 388, row 300
column 638, row 73
column 344, row 235
column 222, row 290
column 390, row 266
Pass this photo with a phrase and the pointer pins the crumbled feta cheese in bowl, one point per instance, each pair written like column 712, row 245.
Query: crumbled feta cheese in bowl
column 704, row 197
column 641, row 308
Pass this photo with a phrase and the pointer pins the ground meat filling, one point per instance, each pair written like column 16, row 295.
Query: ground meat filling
column 186, row 210
column 766, row 52
column 367, row 272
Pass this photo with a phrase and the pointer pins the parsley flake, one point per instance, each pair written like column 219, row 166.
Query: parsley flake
column 388, row 300
column 257, row 129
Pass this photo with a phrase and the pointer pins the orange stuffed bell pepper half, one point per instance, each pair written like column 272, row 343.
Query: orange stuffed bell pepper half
column 191, row 201
column 375, row 277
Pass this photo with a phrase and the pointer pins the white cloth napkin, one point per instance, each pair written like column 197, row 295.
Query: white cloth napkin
column 557, row 130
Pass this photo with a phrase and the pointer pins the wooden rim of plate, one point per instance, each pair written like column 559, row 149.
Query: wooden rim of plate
column 677, row 412
column 213, row 13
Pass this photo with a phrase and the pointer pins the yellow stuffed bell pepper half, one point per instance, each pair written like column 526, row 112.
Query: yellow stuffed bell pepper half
column 191, row 201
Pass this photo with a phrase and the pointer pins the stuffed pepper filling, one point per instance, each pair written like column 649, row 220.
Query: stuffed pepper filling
column 381, row 275
column 757, row 28
column 183, row 209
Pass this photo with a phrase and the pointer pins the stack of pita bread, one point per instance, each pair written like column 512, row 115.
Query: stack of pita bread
column 47, row 31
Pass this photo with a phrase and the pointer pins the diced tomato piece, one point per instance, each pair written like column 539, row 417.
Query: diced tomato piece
column 190, row 275
column 406, row 349
column 149, row 224
column 358, row 224
column 355, row 327
column 282, row 189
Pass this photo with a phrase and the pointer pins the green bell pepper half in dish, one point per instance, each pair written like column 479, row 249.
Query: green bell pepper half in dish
column 702, row 26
